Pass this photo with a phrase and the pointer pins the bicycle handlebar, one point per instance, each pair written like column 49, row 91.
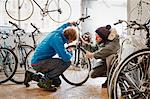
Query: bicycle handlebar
column 36, row 29
column 34, row 26
column 133, row 23
column 120, row 21
column 81, row 20
column 17, row 28
column 140, row 26
column 14, row 24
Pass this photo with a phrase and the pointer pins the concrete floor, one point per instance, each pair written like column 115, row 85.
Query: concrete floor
column 90, row 90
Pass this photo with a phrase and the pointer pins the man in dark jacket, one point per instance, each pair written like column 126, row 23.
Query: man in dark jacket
column 43, row 61
column 108, row 43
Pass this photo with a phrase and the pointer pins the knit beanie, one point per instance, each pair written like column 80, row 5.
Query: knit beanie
column 103, row 32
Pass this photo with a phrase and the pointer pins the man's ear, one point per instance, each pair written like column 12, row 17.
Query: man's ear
column 112, row 34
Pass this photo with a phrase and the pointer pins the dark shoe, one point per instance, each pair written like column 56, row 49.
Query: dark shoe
column 46, row 84
column 56, row 82
column 28, row 78
column 104, row 85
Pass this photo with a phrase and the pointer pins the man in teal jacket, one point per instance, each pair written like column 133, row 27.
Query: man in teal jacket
column 43, row 61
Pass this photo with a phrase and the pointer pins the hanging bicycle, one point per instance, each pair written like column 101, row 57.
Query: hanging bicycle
column 21, row 10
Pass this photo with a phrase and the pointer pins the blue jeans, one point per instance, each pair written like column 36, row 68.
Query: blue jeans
column 52, row 68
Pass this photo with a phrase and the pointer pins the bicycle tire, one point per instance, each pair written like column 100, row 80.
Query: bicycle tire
column 28, row 59
column 74, row 75
column 118, row 75
column 113, row 66
column 57, row 17
column 12, row 9
column 19, row 75
column 139, row 11
column 8, row 66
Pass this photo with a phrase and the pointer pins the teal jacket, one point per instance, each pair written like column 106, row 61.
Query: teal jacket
column 51, row 45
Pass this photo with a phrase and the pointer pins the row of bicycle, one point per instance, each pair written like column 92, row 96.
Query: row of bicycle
column 15, row 53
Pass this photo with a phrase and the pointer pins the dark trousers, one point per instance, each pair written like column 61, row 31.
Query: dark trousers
column 52, row 68
column 99, row 70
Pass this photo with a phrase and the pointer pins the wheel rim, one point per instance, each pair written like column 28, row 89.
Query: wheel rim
column 77, row 73
column 131, row 80
column 64, row 8
column 26, row 9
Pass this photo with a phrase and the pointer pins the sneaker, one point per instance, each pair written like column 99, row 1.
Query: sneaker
column 46, row 84
column 28, row 77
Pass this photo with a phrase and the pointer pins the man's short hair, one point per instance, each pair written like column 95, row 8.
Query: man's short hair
column 70, row 33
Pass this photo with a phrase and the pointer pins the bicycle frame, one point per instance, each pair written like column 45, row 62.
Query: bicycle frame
column 79, row 41
column 21, row 52
column 33, row 35
column 45, row 9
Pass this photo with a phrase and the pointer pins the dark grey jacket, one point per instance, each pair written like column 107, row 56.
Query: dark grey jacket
column 111, row 48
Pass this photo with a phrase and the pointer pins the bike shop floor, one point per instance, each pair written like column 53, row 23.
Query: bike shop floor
column 90, row 90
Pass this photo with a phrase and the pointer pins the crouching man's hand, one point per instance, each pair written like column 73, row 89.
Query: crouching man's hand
column 73, row 23
column 89, row 54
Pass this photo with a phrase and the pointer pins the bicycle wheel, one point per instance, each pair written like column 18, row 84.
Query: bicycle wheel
column 23, row 52
column 28, row 59
column 113, row 66
column 131, row 79
column 140, row 12
column 59, row 10
column 8, row 64
column 19, row 10
column 78, row 72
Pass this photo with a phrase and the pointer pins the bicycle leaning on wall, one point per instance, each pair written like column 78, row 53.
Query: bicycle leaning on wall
column 21, row 10
column 22, row 52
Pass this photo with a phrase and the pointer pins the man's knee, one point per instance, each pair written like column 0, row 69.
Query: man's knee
column 67, row 64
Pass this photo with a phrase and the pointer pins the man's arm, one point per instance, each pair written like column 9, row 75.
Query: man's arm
column 66, row 25
column 61, row 50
